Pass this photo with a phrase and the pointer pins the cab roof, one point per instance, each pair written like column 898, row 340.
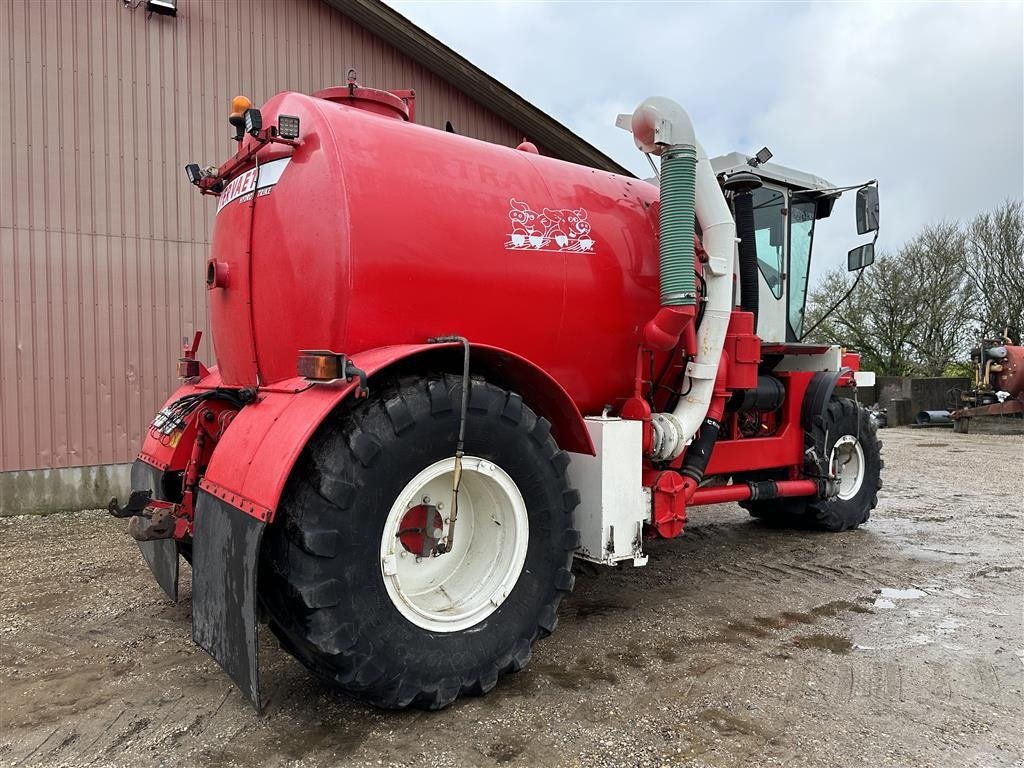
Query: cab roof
column 780, row 174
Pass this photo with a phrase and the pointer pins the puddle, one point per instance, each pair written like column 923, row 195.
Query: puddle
column 887, row 596
column 830, row 643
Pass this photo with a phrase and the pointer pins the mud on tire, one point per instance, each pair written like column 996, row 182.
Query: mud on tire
column 841, row 417
column 321, row 583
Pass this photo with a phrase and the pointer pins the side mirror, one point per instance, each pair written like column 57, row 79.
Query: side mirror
column 860, row 257
column 867, row 210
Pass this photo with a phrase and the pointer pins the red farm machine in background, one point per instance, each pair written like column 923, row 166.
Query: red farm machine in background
column 998, row 389
column 446, row 367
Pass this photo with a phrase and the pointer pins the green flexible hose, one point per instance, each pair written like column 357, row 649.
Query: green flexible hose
column 676, row 252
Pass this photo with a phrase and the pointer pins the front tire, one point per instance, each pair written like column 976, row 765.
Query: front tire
column 345, row 582
column 846, row 443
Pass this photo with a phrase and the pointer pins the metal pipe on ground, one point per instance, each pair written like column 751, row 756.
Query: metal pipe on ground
column 933, row 418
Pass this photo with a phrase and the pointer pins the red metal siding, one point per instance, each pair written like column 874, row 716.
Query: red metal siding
column 102, row 241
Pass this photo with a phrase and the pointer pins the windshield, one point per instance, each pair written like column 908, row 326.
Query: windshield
column 801, row 235
column 770, row 236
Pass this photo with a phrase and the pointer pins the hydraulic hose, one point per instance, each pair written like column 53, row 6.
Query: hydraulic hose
column 743, row 207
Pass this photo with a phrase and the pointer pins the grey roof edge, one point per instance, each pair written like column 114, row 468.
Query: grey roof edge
column 396, row 29
column 790, row 177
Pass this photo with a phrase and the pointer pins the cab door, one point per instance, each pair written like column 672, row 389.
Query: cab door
column 771, row 225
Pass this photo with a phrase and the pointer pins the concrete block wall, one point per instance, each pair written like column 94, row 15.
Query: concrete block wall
column 922, row 394
column 42, row 491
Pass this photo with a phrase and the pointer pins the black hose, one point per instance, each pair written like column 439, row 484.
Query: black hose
column 460, row 445
column 743, row 206
column 699, row 452
column 445, row 544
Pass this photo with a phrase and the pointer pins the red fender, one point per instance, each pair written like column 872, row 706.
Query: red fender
column 254, row 458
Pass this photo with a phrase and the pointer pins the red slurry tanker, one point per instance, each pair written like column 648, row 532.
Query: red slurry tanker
column 446, row 368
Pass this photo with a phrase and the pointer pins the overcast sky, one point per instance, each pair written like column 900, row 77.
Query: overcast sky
column 926, row 97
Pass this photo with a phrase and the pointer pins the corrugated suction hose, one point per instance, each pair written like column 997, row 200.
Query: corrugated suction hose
column 676, row 250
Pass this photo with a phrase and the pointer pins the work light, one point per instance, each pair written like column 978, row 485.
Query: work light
column 253, row 121
column 288, row 126
column 163, row 7
column 194, row 173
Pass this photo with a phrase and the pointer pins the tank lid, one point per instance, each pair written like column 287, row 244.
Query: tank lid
column 371, row 99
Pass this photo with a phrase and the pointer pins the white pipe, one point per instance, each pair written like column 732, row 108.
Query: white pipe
column 718, row 235
column 657, row 124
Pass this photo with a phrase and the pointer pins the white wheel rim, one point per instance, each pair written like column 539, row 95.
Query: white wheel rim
column 458, row 589
column 847, row 465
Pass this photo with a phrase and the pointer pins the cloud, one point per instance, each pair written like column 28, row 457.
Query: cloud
column 926, row 97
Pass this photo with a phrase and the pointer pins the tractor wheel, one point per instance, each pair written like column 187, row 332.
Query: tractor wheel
column 347, row 577
column 846, row 440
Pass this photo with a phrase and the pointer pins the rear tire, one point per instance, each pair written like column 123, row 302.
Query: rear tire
column 326, row 576
column 844, row 437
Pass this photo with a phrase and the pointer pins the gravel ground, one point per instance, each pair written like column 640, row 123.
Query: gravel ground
column 738, row 645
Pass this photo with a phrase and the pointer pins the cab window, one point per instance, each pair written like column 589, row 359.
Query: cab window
column 801, row 236
column 770, row 236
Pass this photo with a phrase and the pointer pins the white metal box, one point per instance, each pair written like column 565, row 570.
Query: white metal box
column 613, row 501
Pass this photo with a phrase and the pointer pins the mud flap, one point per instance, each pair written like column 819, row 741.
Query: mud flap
column 225, row 556
column 162, row 558
column 162, row 555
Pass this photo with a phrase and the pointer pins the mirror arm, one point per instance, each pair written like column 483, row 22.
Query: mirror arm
column 833, row 190
column 833, row 308
column 845, row 296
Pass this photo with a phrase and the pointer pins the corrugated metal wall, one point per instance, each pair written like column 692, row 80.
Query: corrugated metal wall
column 102, row 241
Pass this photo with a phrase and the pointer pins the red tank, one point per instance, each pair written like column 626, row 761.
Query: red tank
column 375, row 231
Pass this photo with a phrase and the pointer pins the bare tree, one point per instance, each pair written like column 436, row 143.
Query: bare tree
column 876, row 319
column 910, row 313
column 995, row 266
column 940, row 294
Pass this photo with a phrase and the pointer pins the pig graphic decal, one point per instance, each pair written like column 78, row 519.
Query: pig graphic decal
column 550, row 230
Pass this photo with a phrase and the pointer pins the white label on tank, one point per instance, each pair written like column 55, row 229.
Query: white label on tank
column 252, row 181
column 557, row 230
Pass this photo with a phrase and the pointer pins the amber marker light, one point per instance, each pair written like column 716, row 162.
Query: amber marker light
column 239, row 106
column 321, row 365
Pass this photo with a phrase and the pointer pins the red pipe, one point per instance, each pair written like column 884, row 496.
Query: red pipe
column 662, row 332
column 741, row 492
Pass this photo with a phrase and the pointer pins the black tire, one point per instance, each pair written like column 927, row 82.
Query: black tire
column 841, row 417
column 321, row 582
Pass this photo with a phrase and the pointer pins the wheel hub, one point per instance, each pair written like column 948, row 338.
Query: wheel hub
column 847, row 465
column 451, row 591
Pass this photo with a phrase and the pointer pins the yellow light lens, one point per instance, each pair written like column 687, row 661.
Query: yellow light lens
column 239, row 105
